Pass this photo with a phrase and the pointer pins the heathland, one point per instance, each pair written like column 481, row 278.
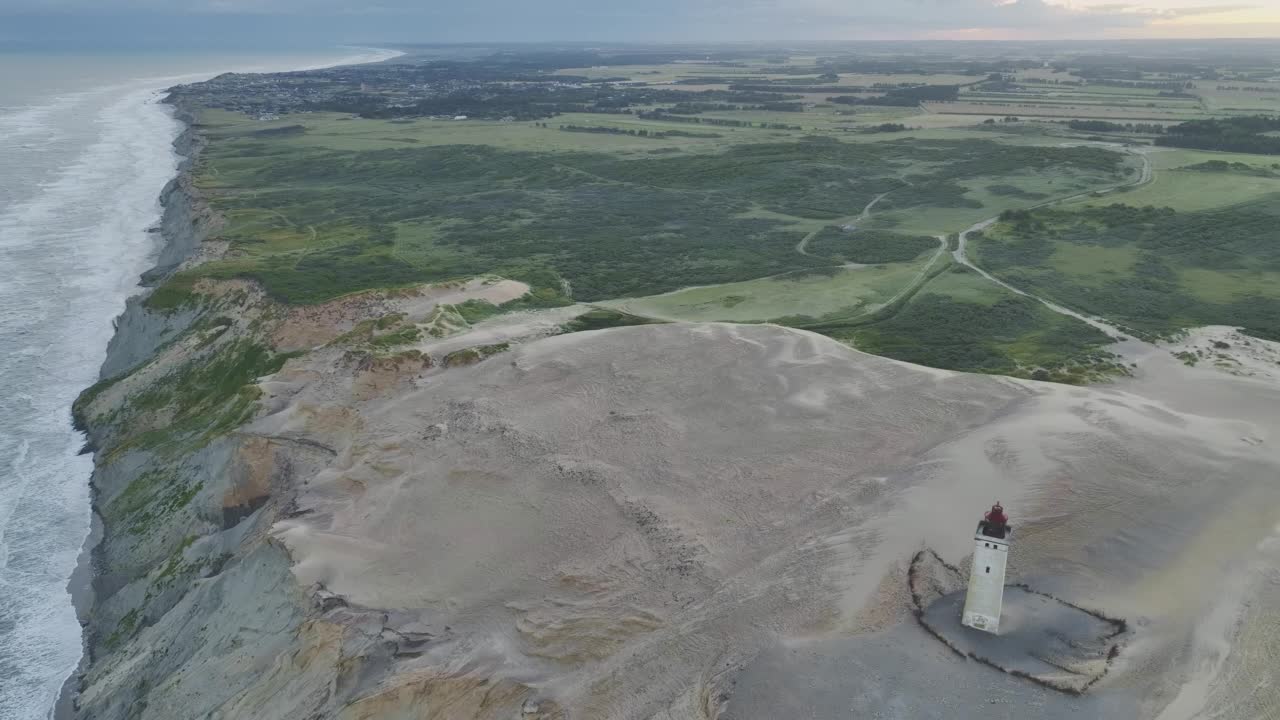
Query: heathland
column 811, row 192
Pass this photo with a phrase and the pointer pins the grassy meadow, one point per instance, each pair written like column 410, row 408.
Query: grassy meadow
column 791, row 297
column 335, row 206
column 762, row 215
column 1154, row 269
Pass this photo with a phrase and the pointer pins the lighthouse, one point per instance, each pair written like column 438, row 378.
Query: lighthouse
column 985, row 598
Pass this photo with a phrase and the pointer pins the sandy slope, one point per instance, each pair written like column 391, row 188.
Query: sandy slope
column 687, row 520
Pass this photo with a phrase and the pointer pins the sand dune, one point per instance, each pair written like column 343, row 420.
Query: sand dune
column 707, row 520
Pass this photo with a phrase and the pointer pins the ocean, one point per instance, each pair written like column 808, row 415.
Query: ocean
column 85, row 149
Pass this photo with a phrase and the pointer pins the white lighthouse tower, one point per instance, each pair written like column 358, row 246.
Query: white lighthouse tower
column 983, row 602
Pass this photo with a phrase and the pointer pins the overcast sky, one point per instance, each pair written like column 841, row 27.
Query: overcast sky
column 302, row 22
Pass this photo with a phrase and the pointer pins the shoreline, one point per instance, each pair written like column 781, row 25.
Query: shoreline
column 179, row 235
column 81, row 583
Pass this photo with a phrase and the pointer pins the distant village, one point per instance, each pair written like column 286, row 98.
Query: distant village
column 390, row 90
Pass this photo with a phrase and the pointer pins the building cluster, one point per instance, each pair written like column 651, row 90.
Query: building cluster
column 368, row 88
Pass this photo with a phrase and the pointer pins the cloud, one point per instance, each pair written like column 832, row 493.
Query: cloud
column 955, row 14
column 752, row 20
column 1206, row 10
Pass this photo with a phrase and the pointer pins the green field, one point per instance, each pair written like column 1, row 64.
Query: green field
column 1155, row 270
column 1176, row 186
column 988, row 196
column 755, row 215
column 961, row 321
column 796, row 296
column 327, row 206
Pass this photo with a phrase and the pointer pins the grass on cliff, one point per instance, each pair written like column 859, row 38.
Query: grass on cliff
column 152, row 497
column 206, row 397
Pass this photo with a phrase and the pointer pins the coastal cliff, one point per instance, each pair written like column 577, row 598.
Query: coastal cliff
column 195, row 611
column 160, row 531
column 384, row 506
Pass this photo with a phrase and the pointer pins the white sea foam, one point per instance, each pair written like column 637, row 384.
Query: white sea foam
column 82, row 171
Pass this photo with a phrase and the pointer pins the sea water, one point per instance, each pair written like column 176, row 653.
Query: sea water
column 85, row 149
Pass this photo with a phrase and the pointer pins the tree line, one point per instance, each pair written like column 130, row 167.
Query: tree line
column 1244, row 134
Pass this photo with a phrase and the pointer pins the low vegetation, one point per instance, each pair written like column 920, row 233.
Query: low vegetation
column 603, row 318
column 703, row 185
column 311, row 223
column 959, row 321
column 869, row 247
column 1235, row 134
column 1155, row 270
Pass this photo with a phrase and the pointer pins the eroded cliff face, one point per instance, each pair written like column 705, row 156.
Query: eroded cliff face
column 196, row 612
column 373, row 509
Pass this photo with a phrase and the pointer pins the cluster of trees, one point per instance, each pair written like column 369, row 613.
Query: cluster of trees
column 871, row 247
column 281, row 131
column 903, row 96
column 1054, row 81
column 1237, row 134
column 1236, row 167
column 1176, row 86
column 756, row 87
column 1105, row 126
column 923, row 93
column 694, row 108
column 719, row 122
column 885, row 128
column 1151, row 295
column 600, row 130
column 634, row 132
column 1007, row 190
column 948, row 332
column 782, row 107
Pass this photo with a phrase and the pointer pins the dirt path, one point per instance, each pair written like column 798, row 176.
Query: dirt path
column 802, row 247
column 961, row 255
column 912, row 286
